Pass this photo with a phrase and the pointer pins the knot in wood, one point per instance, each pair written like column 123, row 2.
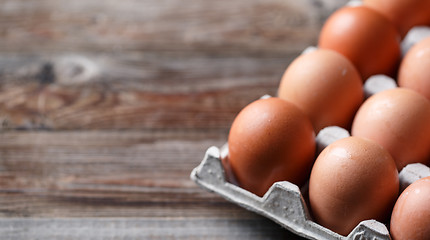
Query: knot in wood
column 71, row 70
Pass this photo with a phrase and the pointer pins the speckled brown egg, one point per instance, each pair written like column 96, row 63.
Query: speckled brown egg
column 414, row 71
column 270, row 140
column 325, row 85
column 403, row 13
column 368, row 39
column 411, row 214
column 399, row 120
column 353, row 179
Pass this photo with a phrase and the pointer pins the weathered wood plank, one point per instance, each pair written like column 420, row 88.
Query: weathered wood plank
column 100, row 25
column 131, row 91
column 138, row 228
column 158, row 72
column 136, row 182
column 32, row 106
column 105, row 174
column 146, row 64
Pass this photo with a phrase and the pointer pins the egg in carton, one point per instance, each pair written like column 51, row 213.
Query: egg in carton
column 284, row 202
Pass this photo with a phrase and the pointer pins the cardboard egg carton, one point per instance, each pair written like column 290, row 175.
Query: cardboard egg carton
column 284, row 202
column 414, row 35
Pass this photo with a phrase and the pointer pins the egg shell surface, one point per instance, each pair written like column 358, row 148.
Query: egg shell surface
column 405, row 14
column 414, row 70
column 270, row 140
column 399, row 120
column 367, row 38
column 411, row 214
column 325, row 85
column 352, row 180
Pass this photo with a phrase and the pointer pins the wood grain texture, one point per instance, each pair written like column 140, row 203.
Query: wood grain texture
column 137, row 228
column 146, row 64
column 109, row 174
column 106, row 107
column 167, row 25
column 136, row 184
column 197, row 93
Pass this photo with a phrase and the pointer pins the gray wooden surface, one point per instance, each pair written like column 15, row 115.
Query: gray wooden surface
column 107, row 106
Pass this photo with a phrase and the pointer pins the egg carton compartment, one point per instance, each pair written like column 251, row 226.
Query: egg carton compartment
column 284, row 202
column 414, row 35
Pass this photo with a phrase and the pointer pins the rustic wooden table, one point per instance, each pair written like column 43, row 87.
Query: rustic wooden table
column 106, row 107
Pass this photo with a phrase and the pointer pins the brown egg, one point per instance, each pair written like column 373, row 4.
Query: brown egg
column 411, row 214
column 398, row 119
column 365, row 37
column 414, row 71
column 405, row 14
column 352, row 180
column 270, row 140
column 325, row 86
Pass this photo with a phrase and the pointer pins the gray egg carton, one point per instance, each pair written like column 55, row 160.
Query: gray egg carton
column 414, row 35
column 284, row 203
